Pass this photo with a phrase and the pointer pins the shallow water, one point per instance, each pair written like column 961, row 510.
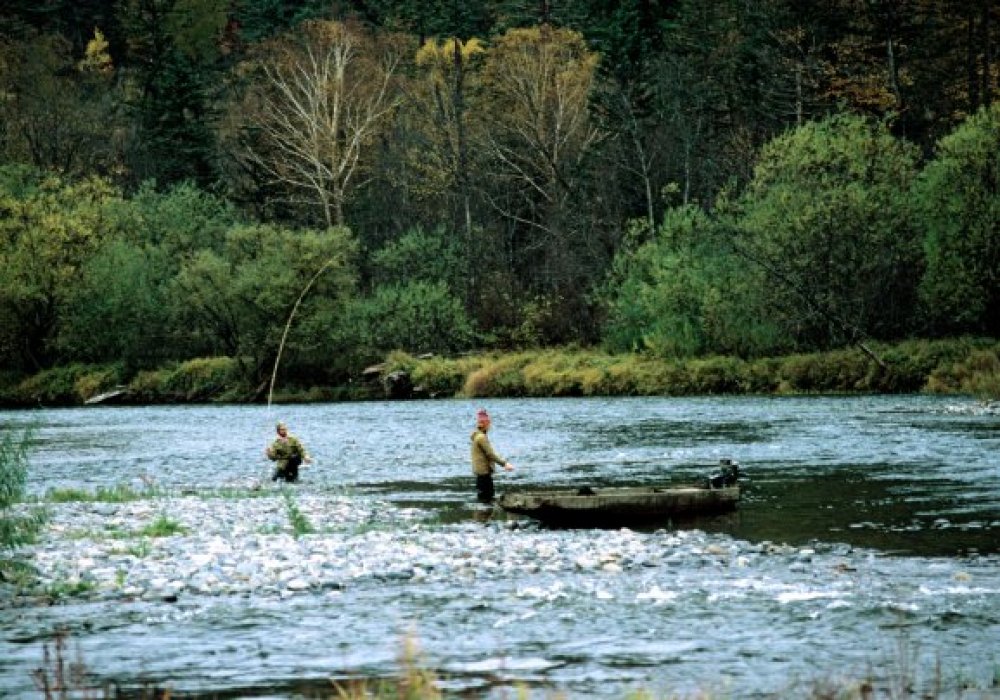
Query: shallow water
column 891, row 506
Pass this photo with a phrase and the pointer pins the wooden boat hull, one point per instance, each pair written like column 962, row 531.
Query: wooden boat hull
column 609, row 507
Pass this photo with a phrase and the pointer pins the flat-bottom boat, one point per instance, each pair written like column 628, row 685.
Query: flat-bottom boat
column 617, row 506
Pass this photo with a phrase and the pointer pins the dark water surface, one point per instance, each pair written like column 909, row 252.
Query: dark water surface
column 904, row 490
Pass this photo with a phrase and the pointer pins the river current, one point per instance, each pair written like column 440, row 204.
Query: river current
column 867, row 544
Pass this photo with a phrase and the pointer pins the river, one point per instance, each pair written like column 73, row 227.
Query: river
column 867, row 544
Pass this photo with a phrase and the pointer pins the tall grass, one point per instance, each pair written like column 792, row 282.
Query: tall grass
column 120, row 493
column 957, row 365
column 946, row 366
column 16, row 528
column 300, row 524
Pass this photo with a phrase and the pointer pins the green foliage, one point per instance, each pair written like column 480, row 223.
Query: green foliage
column 66, row 385
column 684, row 294
column 827, row 218
column 56, row 114
column 117, row 308
column 419, row 256
column 48, row 229
column 238, row 303
column 178, row 221
column 958, row 198
column 16, row 528
column 163, row 526
column 300, row 524
column 418, row 317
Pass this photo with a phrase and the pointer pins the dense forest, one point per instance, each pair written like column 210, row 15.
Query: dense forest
column 677, row 177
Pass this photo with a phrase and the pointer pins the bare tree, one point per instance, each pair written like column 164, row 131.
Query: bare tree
column 321, row 98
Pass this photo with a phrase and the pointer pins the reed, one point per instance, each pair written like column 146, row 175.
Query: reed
column 300, row 524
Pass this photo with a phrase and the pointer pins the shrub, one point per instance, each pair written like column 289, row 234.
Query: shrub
column 202, row 378
column 717, row 375
column 149, row 386
column 499, row 377
column 95, row 382
column 977, row 374
column 440, row 376
column 417, row 316
column 15, row 529
column 69, row 385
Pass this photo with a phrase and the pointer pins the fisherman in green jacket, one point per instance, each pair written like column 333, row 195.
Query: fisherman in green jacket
column 484, row 457
column 289, row 453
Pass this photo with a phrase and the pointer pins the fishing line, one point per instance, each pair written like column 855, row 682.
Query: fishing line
column 288, row 325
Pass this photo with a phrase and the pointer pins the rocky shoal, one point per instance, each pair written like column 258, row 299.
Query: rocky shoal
column 249, row 546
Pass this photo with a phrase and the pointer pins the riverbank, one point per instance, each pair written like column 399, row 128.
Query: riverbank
column 957, row 366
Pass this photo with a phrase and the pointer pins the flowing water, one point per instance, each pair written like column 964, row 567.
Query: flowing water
column 889, row 507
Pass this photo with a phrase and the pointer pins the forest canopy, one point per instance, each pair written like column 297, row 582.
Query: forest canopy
column 668, row 176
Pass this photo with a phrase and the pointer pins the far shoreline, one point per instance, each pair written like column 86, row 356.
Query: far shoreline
column 959, row 366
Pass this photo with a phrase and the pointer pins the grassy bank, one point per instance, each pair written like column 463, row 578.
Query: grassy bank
column 955, row 366
column 964, row 366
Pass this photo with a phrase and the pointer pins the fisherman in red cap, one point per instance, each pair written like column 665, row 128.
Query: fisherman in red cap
column 484, row 457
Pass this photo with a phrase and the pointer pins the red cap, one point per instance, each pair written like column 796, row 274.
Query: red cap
column 481, row 414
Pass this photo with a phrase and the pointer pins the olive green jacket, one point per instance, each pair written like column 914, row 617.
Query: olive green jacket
column 483, row 454
column 281, row 450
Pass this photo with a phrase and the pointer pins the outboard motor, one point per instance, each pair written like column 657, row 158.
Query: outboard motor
column 727, row 475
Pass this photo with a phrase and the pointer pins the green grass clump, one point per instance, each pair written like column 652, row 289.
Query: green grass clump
column 202, row 378
column 300, row 524
column 116, row 494
column 163, row 526
column 441, row 376
column 68, row 589
column 954, row 366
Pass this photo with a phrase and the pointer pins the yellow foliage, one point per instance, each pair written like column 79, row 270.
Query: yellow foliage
column 96, row 58
column 435, row 54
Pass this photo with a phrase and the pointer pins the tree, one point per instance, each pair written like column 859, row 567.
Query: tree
column 173, row 46
column 118, row 310
column 684, row 293
column 315, row 102
column 57, row 113
column 827, row 216
column 958, row 199
column 237, row 303
column 539, row 137
column 48, row 229
column 441, row 156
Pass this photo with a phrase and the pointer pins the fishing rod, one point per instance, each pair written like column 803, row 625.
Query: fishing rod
column 288, row 325
column 284, row 334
